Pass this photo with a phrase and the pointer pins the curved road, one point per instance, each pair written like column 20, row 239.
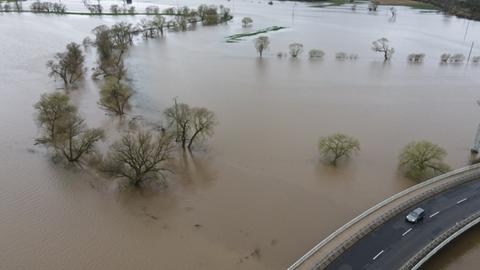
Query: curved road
column 396, row 241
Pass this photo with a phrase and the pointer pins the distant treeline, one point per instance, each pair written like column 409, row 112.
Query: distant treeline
column 463, row 8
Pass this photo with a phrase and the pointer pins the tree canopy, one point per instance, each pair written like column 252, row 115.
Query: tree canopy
column 188, row 124
column 422, row 160
column 139, row 157
column 261, row 44
column 338, row 145
column 67, row 65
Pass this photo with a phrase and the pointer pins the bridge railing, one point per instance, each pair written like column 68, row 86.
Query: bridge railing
column 335, row 244
column 440, row 241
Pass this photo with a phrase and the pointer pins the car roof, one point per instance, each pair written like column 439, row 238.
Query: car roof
column 419, row 210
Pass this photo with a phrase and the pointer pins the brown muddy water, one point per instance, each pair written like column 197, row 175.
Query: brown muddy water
column 256, row 195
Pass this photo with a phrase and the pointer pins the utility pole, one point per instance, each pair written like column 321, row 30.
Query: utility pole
column 293, row 10
column 466, row 31
column 470, row 53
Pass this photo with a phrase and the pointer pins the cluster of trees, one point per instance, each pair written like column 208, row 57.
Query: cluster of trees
column 139, row 155
column 418, row 160
column 296, row 49
column 116, row 9
column 206, row 14
column 463, row 8
column 10, row 6
column 381, row 46
column 63, row 129
column 111, row 44
column 48, row 7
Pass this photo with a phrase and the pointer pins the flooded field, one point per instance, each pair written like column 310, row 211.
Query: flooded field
column 257, row 195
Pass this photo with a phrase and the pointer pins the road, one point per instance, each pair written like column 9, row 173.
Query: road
column 396, row 241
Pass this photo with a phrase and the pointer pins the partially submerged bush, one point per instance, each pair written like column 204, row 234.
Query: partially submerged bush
column 341, row 56
column 455, row 59
column 416, row 57
column 314, row 53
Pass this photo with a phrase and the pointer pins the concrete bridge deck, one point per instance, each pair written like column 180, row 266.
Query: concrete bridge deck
column 380, row 238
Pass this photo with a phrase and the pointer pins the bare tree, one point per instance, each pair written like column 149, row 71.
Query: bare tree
column 261, row 44
column 246, row 21
column 203, row 122
column 139, row 157
column 179, row 119
column 188, row 124
column 338, row 145
column 115, row 96
column 52, row 112
column 422, row 160
column 159, row 23
column 63, row 129
column 382, row 45
column 295, row 49
column 68, row 65
column 75, row 139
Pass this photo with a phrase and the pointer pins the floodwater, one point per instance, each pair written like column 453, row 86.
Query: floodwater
column 256, row 195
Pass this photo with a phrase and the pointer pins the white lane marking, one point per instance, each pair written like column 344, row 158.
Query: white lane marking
column 376, row 256
column 407, row 231
column 462, row 200
column 434, row 214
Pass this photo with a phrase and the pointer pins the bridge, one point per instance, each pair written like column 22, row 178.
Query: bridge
column 380, row 238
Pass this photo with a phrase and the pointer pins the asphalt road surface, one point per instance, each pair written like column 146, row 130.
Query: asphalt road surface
column 396, row 241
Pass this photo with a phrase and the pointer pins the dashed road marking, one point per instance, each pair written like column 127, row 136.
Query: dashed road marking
column 434, row 214
column 376, row 256
column 462, row 200
column 407, row 231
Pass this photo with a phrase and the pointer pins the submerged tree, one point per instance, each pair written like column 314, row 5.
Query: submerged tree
column 295, row 49
column 53, row 111
column 382, row 45
column 159, row 23
column 246, row 21
column 68, row 65
column 76, row 139
column 338, row 145
column 314, row 53
column 188, row 124
column 203, row 122
column 115, row 96
column 422, row 160
column 180, row 121
column 261, row 44
column 139, row 157
column 112, row 43
column 63, row 129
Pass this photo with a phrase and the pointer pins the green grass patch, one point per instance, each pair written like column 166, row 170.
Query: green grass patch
column 238, row 37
